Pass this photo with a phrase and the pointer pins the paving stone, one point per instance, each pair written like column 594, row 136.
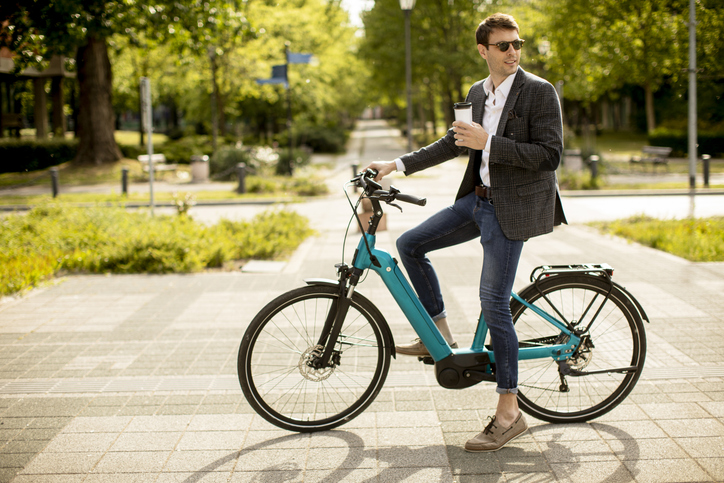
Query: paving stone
column 132, row 462
column 62, row 463
column 594, row 472
column 667, row 471
column 682, row 428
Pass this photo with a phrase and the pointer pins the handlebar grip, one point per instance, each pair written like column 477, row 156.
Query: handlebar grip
column 411, row 199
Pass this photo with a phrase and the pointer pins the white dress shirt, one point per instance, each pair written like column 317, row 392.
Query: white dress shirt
column 494, row 104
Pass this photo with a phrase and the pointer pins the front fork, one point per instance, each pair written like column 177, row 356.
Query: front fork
column 348, row 278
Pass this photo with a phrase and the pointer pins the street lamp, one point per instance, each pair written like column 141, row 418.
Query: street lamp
column 407, row 6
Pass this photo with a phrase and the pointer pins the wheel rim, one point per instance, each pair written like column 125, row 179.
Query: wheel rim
column 615, row 342
column 279, row 374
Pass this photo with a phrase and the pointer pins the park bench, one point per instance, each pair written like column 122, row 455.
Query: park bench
column 656, row 155
column 11, row 122
column 159, row 162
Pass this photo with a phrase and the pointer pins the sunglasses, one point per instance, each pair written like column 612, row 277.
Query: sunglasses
column 505, row 45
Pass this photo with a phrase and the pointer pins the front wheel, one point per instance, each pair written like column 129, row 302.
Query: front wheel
column 276, row 369
column 608, row 362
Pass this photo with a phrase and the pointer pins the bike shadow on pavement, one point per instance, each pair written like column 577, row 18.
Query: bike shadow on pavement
column 357, row 459
column 552, row 446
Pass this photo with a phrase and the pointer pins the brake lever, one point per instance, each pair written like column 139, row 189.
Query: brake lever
column 396, row 206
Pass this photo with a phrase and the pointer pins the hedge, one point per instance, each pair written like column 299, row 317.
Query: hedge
column 709, row 142
column 20, row 155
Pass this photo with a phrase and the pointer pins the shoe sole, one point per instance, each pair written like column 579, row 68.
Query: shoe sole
column 407, row 352
column 495, row 449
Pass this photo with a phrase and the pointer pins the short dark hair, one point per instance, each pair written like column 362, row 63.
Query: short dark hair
column 496, row 21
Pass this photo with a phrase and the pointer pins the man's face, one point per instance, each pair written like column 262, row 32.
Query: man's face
column 501, row 64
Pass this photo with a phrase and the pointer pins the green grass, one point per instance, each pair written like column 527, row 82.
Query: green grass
column 608, row 142
column 698, row 240
column 132, row 137
column 54, row 239
column 122, row 137
column 119, row 199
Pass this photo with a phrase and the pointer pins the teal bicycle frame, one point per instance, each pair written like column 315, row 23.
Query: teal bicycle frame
column 382, row 262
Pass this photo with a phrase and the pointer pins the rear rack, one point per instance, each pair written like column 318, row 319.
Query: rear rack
column 601, row 269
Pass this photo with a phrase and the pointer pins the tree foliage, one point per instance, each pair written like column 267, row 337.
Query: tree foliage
column 76, row 28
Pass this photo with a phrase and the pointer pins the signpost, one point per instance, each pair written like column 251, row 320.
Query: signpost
column 280, row 75
column 147, row 120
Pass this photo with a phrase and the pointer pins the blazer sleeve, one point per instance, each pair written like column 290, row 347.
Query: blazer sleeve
column 445, row 148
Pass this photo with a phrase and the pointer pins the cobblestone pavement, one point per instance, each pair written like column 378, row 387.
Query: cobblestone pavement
column 133, row 378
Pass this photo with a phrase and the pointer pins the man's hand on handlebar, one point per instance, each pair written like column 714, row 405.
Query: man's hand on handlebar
column 383, row 168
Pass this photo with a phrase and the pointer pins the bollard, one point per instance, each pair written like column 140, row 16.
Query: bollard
column 705, row 159
column 594, row 166
column 241, row 174
column 54, row 181
column 124, row 181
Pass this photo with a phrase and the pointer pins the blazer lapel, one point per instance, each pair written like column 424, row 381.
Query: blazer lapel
column 478, row 97
column 510, row 102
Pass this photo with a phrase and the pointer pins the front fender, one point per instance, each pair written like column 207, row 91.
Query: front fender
column 362, row 300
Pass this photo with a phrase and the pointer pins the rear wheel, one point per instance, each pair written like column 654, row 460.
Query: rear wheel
column 609, row 360
column 276, row 360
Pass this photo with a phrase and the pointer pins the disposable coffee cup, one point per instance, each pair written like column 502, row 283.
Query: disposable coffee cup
column 463, row 111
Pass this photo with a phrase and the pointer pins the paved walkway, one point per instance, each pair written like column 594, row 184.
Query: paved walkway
column 133, row 378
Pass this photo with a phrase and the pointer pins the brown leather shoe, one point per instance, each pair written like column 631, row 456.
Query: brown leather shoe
column 417, row 348
column 494, row 437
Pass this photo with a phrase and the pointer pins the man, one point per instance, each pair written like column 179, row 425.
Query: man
column 508, row 194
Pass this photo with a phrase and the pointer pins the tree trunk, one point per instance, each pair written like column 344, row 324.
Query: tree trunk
column 650, row 116
column 95, row 117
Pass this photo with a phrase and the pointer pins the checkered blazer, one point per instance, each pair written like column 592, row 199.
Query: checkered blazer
column 524, row 154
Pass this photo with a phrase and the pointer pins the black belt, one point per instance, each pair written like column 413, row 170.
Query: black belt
column 484, row 192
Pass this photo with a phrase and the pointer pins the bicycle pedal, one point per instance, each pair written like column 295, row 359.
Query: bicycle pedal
column 426, row 360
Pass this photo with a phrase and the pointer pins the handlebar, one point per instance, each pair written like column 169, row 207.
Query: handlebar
column 411, row 199
column 373, row 190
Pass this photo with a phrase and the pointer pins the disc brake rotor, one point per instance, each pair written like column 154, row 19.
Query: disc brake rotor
column 308, row 371
column 582, row 357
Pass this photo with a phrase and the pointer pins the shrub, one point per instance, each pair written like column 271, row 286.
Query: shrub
column 577, row 180
column 709, row 142
column 323, row 139
column 223, row 163
column 55, row 238
column 309, row 187
column 175, row 133
column 698, row 240
column 19, row 155
column 256, row 184
column 132, row 151
column 180, row 151
column 287, row 164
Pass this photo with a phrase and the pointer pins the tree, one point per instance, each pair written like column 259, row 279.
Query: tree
column 445, row 61
column 40, row 29
column 213, row 30
column 604, row 45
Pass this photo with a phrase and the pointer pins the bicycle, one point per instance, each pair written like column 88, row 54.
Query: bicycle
column 316, row 357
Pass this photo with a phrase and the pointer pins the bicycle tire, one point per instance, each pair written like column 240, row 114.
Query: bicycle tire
column 288, row 393
column 618, row 340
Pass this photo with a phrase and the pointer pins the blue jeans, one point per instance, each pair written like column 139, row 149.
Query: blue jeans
column 469, row 218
